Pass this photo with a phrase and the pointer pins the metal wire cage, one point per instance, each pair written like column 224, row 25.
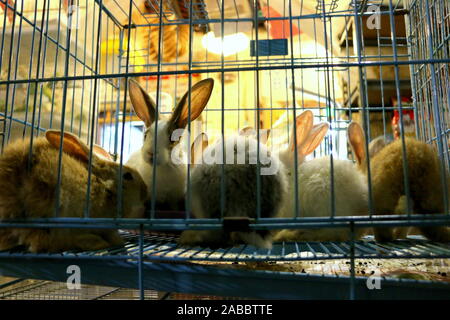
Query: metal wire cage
column 71, row 66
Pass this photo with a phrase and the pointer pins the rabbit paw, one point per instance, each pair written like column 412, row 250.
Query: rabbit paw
column 401, row 232
column 7, row 241
column 337, row 234
column 438, row 234
column 262, row 240
column 204, row 238
column 113, row 238
column 57, row 241
column 296, row 235
column 384, row 234
column 90, row 241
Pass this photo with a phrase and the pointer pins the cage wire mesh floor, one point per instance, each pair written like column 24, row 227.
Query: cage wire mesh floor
column 49, row 290
column 164, row 247
column 21, row 289
column 415, row 265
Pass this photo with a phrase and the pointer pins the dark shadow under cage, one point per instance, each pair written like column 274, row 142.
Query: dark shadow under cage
column 219, row 147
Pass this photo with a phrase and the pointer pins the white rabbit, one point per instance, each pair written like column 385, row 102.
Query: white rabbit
column 170, row 175
column 240, row 194
column 314, row 186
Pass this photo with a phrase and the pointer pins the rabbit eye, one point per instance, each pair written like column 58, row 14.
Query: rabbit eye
column 173, row 143
column 128, row 176
column 110, row 193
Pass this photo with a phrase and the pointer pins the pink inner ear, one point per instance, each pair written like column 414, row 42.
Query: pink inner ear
column 102, row 153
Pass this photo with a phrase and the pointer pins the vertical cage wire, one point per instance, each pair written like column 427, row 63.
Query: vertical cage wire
column 429, row 37
column 71, row 72
column 126, row 53
column 116, row 50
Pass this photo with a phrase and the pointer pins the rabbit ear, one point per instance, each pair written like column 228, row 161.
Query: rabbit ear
column 247, row 131
column 200, row 94
column 71, row 144
column 303, row 124
column 143, row 104
column 264, row 136
column 314, row 139
column 357, row 141
column 200, row 143
column 250, row 131
column 376, row 145
column 102, row 153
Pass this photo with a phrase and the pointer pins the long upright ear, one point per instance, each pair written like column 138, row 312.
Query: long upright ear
column 357, row 141
column 102, row 153
column 200, row 143
column 303, row 126
column 200, row 94
column 247, row 131
column 264, row 135
column 376, row 145
column 314, row 139
column 71, row 144
column 143, row 104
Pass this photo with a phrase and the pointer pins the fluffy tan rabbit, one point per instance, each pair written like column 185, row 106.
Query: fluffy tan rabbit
column 32, row 193
column 388, row 189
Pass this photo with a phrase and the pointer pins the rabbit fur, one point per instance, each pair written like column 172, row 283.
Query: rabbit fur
column 314, row 186
column 388, row 189
column 32, row 193
column 240, row 194
column 170, row 175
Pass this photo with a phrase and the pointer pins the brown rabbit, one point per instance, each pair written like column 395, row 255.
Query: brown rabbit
column 386, row 165
column 32, row 193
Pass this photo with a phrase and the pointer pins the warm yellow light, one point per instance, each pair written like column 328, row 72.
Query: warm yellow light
column 231, row 44
column 111, row 47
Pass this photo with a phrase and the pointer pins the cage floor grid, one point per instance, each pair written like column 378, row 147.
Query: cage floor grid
column 25, row 289
column 408, row 269
column 163, row 247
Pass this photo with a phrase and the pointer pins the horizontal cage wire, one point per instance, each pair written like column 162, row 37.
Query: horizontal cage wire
column 285, row 139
